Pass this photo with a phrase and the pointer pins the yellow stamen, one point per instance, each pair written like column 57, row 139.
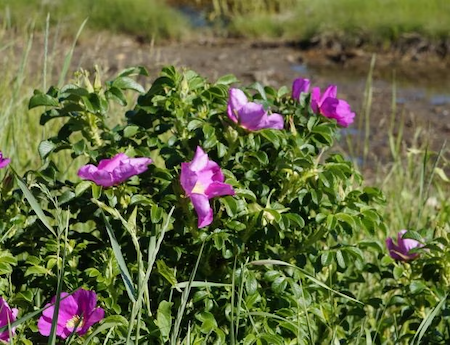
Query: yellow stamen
column 76, row 321
column 198, row 189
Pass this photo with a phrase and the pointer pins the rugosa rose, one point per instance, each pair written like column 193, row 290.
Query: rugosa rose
column 77, row 313
column 115, row 170
column 202, row 180
column 298, row 86
column 250, row 115
column 3, row 161
column 7, row 317
column 329, row 106
column 400, row 251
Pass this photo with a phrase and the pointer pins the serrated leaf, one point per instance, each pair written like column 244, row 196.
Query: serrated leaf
column 166, row 272
column 81, row 187
column 164, row 319
column 416, row 287
column 45, row 148
column 227, row 79
column 40, row 99
column 36, row 270
column 340, row 259
column 126, row 83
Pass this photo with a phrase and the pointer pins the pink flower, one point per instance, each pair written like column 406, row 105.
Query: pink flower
column 3, row 161
column 114, row 170
column 202, row 180
column 77, row 313
column 250, row 115
column 400, row 251
column 330, row 106
column 298, row 86
column 7, row 317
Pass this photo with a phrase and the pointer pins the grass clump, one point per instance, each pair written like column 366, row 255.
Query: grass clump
column 376, row 21
column 147, row 19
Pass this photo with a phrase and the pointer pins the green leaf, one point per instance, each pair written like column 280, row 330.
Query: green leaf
column 227, row 79
column 164, row 319
column 156, row 214
column 346, row 218
column 340, row 259
column 40, row 99
column 230, row 205
column 326, row 258
column 398, row 272
column 126, row 83
column 166, row 272
column 416, row 287
column 45, row 148
column 209, row 323
column 246, row 193
column 82, row 187
column 36, row 270
column 136, row 70
column 251, row 284
column 116, row 94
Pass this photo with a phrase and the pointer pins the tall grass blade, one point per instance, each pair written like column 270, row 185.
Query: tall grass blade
column 69, row 55
column 427, row 322
column 33, row 203
column 126, row 277
column 314, row 280
column 153, row 250
column 44, row 72
column 184, row 300
column 52, row 336
column 368, row 92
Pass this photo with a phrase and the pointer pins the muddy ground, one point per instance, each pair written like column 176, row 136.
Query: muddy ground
column 422, row 80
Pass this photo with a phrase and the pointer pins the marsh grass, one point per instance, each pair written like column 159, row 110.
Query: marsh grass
column 148, row 19
column 377, row 21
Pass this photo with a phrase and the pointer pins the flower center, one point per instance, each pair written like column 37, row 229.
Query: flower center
column 198, row 188
column 76, row 321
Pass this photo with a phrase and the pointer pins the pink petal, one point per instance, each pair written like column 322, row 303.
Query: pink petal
column 274, row 121
column 218, row 189
column 393, row 249
column 237, row 99
column 86, row 301
column 44, row 325
column 252, row 116
column 298, row 86
column 331, row 91
column 199, row 161
column 334, row 108
column 4, row 162
column 203, row 209
column 315, row 99
column 188, row 178
column 345, row 114
column 112, row 163
column 95, row 316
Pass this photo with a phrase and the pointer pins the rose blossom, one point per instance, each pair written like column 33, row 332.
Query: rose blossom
column 400, row 251
column 114, row 170
column 202, row 180
column 7, row 317
column 3, row 161
column 77, row 313
column 250, row 115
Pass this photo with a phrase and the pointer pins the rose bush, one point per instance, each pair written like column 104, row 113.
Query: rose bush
column 239, row 223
